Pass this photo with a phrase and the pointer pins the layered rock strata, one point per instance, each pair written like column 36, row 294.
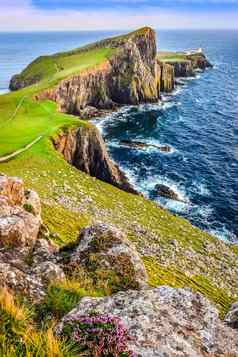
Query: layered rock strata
column 85, row 149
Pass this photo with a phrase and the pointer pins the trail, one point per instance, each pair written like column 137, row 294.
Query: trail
column 19, row 151
column 15, row 112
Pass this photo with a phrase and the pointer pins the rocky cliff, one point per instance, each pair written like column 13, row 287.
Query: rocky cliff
column 126, row 77
column 166, row 75
column 85, row 149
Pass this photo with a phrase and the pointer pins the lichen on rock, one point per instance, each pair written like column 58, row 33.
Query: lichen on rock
column 103, row 247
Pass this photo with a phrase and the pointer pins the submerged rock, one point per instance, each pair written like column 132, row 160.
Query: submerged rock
column 167, row 192
column 141, row 145
column 104, row 248
column 164, row 322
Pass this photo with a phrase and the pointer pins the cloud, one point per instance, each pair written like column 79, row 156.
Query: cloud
column 25, row 15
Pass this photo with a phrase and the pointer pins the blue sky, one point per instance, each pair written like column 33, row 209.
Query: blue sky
column 28, row 15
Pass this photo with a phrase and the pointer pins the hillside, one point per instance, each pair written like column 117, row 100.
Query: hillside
column 173, row 252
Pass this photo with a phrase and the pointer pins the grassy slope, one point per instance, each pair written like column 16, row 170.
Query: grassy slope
column 58, row 66
column 175, row 253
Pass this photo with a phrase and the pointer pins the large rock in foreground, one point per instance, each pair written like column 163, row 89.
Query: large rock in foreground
column 165, row 322
column 20, row 211
column 27, row 263
column 104, row 248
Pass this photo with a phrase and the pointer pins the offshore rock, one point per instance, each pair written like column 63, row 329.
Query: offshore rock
column 167, row 192
column 104, row 248
column 165, row 322
column 85, row 149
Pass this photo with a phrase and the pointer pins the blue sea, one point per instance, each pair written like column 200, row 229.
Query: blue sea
column 199, row 121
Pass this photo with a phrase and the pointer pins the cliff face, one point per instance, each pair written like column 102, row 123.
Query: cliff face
column 127, row 77
column 166, row 75
column 84, row 148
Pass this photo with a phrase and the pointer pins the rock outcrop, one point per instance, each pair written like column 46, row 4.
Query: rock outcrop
column 187, row 67
column 163, row 322
column 85, row 149
column 104, row 248
column 27, row 263
column 19, row 217
column 167, row 77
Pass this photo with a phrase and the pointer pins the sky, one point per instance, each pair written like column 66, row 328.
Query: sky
column 47, row 15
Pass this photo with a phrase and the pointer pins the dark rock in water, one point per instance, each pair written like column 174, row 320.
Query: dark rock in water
column 141, row 145
column 134, row 144
column 165, row 191
column 165, row 148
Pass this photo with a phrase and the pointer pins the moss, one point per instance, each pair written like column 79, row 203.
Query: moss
column 28, row 207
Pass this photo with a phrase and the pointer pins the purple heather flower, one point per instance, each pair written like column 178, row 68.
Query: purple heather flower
column 102, row 335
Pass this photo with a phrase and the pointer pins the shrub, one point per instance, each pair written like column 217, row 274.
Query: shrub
column 98, row 335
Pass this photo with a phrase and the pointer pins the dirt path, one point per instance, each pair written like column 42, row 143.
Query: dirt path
column 19, row 151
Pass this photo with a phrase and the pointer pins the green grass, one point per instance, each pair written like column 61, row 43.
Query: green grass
column 164, row 56
column 58, row 66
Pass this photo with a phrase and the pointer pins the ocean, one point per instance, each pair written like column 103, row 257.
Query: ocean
column 199, row 121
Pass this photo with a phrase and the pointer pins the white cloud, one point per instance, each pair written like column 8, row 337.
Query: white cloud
column 19, row 15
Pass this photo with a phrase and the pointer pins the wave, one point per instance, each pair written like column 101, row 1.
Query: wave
column 222, row 233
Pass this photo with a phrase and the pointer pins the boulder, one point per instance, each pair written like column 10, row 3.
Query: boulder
column 20, row 211
column 49, row 272
column 163, row 322
column 44, row 250
column 18, row 228
column 21, row 282
column 104, row 248
column 231, row 317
